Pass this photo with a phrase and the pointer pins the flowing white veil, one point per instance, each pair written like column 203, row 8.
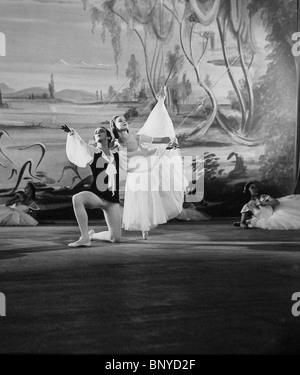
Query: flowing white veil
column 159, row 123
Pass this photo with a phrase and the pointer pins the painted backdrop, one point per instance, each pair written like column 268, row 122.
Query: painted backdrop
column 229, row 70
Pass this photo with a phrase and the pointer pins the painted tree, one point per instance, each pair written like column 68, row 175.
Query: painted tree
column 231, row 16
column 185, row 89
column 207, row 81
column 142, row 96
column 277, row 89
column 147, row 19
column 133, row 71
column 111, row 94
column 51, row 87
column 153, row 22
column 233, row 97
column 173, row 67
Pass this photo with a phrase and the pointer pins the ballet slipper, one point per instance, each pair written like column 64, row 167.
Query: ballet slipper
column 91, row 233
column 79, row 244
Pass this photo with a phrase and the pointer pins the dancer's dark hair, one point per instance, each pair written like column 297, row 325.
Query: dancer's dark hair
column 114, row 128
column 246, row 188
column 108, row 134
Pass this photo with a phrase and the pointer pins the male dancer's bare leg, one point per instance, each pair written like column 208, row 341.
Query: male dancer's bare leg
column 81, row 201
column 113, row 220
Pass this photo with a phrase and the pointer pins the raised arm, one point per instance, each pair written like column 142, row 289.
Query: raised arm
column 78, row 151
column 145, row 138
column 269, row 201
column 142, row 152
column 13, row 200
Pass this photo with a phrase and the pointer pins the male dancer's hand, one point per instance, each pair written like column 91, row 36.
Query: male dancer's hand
column 65, row 128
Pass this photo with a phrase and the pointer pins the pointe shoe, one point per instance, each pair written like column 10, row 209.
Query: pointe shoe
column 145, row 235
column 90, row 233
column 79, row 244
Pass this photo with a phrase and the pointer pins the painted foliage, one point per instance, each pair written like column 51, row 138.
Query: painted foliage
column 230, row 76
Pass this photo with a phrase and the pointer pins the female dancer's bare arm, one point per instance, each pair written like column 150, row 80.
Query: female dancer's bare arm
column 13, row 200
column 270, row 202
column 243, row 223
column 147, row 139
column 142, row 152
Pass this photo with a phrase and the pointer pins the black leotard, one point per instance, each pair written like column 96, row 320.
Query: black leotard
column 100, row 182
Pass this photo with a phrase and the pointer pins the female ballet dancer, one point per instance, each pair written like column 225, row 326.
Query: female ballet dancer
column 104, row 190
column 20, row 210
column 155, row 183
column 269, row 213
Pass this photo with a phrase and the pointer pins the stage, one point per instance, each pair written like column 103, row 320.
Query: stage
column 191, row 288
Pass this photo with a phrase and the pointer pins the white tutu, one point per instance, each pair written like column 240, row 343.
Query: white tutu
column 284, row 217
column 154, row 192
column 155, row 184
column 16, row 215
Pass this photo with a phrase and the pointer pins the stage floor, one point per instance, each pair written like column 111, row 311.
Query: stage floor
column 191, row 288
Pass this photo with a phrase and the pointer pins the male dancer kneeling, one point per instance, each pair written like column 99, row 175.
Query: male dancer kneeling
column 104, row 191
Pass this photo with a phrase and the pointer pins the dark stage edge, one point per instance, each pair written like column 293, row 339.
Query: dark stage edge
column 191, row 288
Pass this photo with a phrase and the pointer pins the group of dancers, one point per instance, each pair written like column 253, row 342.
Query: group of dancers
column 155, row 183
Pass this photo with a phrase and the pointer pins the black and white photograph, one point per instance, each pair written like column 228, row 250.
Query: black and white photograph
column 150, row 179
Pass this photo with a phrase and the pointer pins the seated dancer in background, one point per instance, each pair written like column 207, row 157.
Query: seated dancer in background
column 155, row 183
column 21, row 209
column 269, row 213
column 104, row 191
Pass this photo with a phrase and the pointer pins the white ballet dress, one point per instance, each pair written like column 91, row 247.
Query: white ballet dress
column 285, row 216
column 17, row 215
column 155, row 184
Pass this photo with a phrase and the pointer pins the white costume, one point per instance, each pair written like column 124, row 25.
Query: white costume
column 283, row 217
column 17, row 215
column 155, row 184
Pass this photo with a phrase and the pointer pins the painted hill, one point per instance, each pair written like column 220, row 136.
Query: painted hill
column 62, row 62
column 37, row 91
column 77, row 96
column 5, row 89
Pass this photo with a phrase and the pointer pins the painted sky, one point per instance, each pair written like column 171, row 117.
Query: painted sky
column 54, row 36
column 39, row 33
